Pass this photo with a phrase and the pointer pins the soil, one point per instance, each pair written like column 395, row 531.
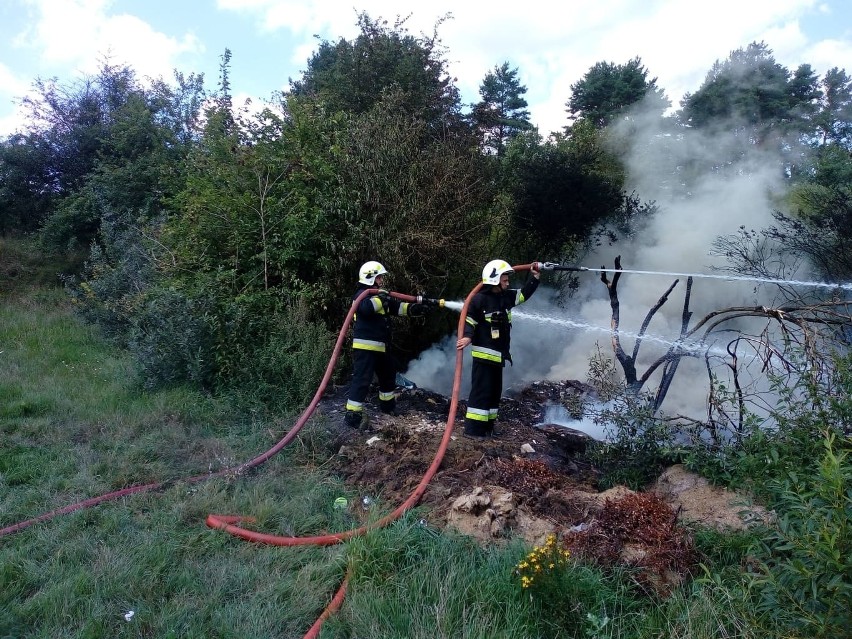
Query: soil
column 530, row 481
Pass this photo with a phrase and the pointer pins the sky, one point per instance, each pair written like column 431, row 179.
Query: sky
column 551, row 44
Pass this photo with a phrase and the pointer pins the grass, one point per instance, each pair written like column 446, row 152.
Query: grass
column 75, row 423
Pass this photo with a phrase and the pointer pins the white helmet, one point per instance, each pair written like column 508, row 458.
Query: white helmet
column 493, row 270
column 369, row 272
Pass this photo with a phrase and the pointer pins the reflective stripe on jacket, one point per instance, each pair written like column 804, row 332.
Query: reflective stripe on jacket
column 372, row 321
column 489, row 321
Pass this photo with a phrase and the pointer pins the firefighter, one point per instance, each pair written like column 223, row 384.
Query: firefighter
column 487, row 327
column 371, row 341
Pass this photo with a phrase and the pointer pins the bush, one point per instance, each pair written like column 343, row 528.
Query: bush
column 639, row 446
column 805, row 564
column 270, row 351
column 172, row 338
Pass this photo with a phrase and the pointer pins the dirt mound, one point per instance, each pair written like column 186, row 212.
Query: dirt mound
column 529, row 481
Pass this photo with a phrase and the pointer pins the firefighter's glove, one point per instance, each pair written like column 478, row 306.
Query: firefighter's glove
column 418, row 310
column 385, row 298
column 428, row 301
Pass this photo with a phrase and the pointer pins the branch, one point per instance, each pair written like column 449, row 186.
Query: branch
column 656, row 307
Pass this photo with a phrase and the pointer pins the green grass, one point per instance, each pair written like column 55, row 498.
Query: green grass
column 75, row 423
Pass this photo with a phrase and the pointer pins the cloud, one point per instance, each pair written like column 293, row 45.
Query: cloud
column 12, row 88
column 10, row 83
column 81, row 33
column 554, row 45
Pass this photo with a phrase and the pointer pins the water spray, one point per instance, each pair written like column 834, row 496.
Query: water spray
column 688, row 347
column 553, row 266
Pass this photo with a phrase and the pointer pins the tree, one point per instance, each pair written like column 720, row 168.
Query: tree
column 502, row 113
column 26, row 198
column 834, row 121
column 792, row 342
column 352, row 76
column 560, row 189
column 753, row 97
column 607, row 89
column 101, row 145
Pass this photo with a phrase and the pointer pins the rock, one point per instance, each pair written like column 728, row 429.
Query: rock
column 709, row 505
column 527, row 449
column 473, row 502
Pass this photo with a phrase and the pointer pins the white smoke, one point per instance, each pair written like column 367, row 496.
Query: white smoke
column 740, row 187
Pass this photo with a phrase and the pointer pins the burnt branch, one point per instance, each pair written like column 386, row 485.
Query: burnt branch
column 795, row 340
column 627, row 363
column 671, row 360
column 649, row 316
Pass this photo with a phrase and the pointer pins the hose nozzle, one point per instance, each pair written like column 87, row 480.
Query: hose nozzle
column 553, row 266
column 428, row 301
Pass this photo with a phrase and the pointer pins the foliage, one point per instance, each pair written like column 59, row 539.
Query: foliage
column 502, row 113
column 560, row 189
column 607, row 90
column 787, row 441
column 101, row 144
column 803, row 565
column 110, row 288
column 834, row 120
column 537, row 569
column 753, row 98
column 24, row 267
column 420, row 204
column 820, row 227
column 352, row 77
column 171, row 340
column 268, row 352
column 25, row 198
column 639, row 443
column 800, row 467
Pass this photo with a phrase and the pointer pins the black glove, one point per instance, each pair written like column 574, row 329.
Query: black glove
column 385, row 297
column 428, row 301
column 417, row 310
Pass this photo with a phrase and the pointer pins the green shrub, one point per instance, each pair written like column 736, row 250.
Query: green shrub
column 805, row 564
column 640, row 445
column 270, row 351
column 172, row 338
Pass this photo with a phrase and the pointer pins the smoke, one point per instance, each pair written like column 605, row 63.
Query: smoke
column 705, row 186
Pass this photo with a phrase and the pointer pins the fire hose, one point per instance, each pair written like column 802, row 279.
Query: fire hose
column 228, row 522
column 233, row 470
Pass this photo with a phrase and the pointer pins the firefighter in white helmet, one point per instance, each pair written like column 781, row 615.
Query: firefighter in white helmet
column 371, row 341
column 487, row 327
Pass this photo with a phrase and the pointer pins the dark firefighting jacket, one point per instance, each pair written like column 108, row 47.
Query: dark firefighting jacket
column 372, row 321
column 489, row 321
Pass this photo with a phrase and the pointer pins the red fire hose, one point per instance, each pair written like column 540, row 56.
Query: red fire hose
column 227, row 522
